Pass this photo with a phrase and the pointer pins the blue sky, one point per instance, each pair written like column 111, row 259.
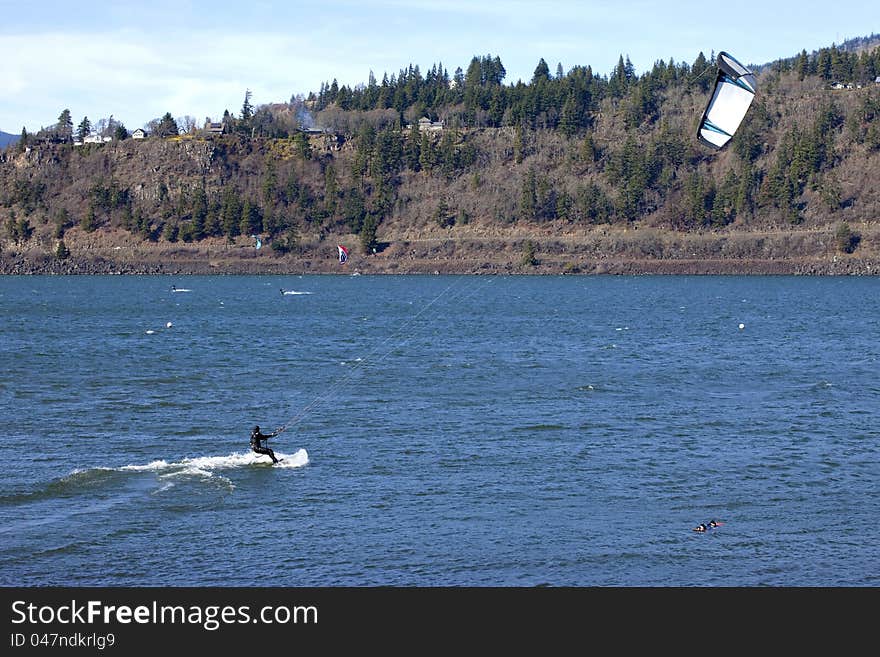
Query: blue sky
column 138, row 60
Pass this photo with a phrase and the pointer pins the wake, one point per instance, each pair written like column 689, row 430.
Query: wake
column 206, row 466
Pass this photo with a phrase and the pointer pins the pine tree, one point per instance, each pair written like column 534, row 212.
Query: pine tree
column 542, row 72
column 84, row 128
column 167, row 126
column 568, row 120
column 247, row 112
column 518, row 145
column 199, row 212
column 368, row 233
column 89, row 222
column 65, row 125
column 230, row 214
column 23, row 141
column 412, row 149
column 62, row 252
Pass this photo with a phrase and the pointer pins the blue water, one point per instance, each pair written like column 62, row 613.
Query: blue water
column 511, row 431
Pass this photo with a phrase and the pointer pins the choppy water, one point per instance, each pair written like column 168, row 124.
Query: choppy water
column 447, row 431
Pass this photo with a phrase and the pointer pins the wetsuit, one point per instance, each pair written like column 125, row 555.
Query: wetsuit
column 256, row 438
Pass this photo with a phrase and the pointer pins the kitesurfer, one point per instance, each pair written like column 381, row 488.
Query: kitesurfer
column 257, row 438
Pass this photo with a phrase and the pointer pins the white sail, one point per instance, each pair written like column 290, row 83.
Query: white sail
column 734, row 91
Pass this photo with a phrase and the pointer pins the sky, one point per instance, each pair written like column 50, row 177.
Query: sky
column 135, row 61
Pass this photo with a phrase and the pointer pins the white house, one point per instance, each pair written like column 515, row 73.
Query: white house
column 425, row 124
column 140, row 133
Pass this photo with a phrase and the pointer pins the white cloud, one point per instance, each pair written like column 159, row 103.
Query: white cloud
column 137, row 76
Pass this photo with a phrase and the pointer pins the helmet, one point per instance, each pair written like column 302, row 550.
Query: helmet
column 257, row 429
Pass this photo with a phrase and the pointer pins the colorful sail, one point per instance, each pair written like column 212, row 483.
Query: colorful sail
column 258, row 242
column 734, row 91
column 343, row 254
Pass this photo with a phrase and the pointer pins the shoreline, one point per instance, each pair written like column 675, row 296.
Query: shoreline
column 601, row 251
column 103, row 265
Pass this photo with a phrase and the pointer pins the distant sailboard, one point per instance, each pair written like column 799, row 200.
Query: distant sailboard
column 733, row 93
column 258, row 242
column 343, row 254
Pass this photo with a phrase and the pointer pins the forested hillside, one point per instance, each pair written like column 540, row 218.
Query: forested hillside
column 567, row 172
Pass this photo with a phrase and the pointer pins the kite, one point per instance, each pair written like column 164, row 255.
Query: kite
column 734, row 91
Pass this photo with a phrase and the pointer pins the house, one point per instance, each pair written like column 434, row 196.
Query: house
column 97, row 139
column 213, row 128
column 427, row 125
column 140, row 133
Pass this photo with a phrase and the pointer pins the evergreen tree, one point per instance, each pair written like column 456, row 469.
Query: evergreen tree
column 251, row 219
column 270, row 183
column 700, row 69
column 302, row 146
column 167, row 126
column 427, row 155
column 199, row 212
column 412, row 149
column 62, row 252
column 847, row 240
column 89, row 222
column 442, row 216
column 803, row 65
column 65, row 125
column 247, row 109
column 369, row 241
column 230, row 213
column 353, row 210
column 84, row 128
column 23, row 141
column 542, row 72
column 518, row 145
column 528, row 200
column 568, row 120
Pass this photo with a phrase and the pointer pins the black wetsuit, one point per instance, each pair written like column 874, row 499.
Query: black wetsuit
column 256, row 438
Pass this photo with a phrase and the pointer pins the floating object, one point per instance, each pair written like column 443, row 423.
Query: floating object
column 734, row 91
column 150, row 331
column 169, row 325
column 742, row 326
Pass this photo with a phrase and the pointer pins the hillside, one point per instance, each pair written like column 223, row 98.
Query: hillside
column 573, row 173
